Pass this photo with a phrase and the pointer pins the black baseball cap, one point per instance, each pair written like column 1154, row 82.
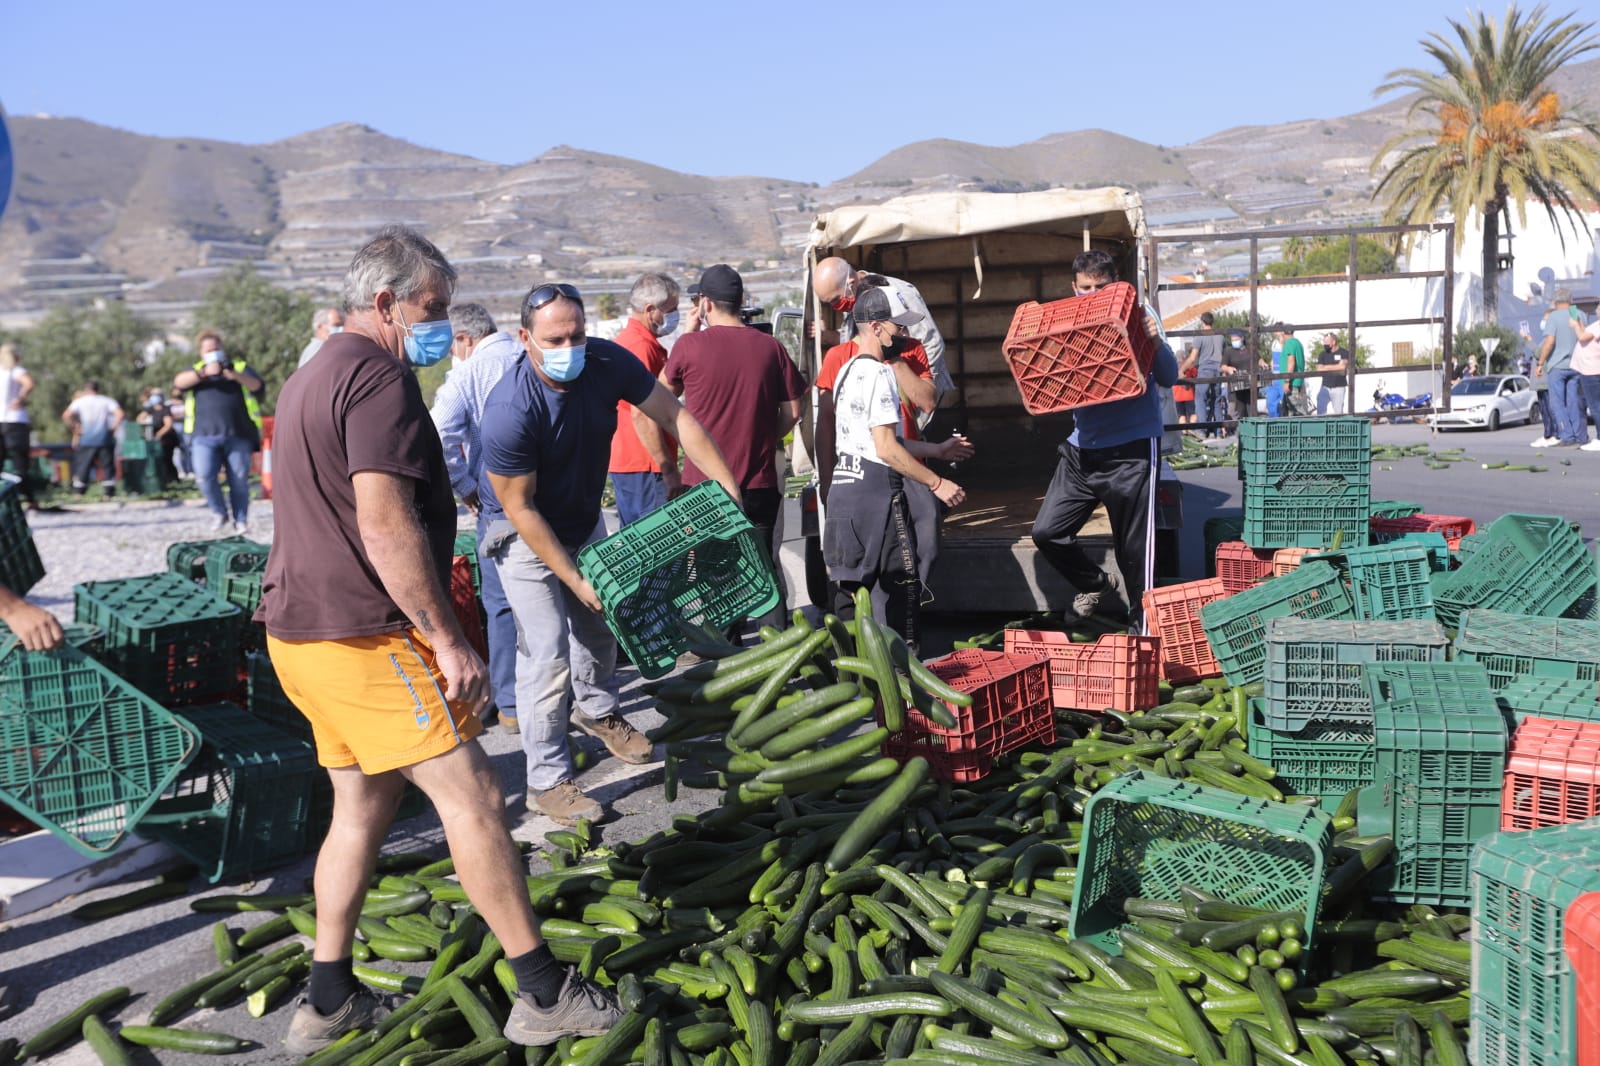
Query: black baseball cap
column 722, row 284
column 883, row 305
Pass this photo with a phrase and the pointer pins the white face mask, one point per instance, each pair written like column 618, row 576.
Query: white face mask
column 335, row 329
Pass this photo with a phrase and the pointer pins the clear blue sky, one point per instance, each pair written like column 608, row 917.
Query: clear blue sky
column 709, row 88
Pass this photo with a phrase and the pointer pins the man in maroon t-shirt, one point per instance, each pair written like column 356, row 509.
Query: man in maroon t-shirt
column 745, row 390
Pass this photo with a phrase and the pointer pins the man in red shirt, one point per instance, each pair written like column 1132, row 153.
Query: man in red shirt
column 745, row 390
column 641, row 482
column 912, row 375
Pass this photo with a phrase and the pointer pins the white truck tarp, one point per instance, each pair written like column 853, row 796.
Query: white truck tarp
column 1111, row 213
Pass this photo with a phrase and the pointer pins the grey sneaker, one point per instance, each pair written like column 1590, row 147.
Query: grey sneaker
column 621, row 739
column 311, row 1031
column 565, row 804
column 1085, row 603
column 582, row 1009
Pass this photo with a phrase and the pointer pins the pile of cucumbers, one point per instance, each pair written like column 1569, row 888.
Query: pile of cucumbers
column 839, row 907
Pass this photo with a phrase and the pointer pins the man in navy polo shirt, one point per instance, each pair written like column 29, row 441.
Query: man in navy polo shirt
column 546, row 443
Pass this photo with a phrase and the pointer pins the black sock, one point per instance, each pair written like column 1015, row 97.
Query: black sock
column 539, row 974
column 331, row 984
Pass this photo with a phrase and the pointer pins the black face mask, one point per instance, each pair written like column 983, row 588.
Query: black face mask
column 898, row 344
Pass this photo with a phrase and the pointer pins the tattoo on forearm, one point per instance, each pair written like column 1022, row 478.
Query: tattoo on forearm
column 424, row 622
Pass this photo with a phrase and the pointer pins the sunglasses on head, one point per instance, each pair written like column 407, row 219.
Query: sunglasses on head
column 546, row 293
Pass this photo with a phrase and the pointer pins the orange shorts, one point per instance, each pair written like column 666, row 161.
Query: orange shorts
column 374, row 702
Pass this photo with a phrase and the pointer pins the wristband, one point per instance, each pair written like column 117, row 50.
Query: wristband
column 936, row 483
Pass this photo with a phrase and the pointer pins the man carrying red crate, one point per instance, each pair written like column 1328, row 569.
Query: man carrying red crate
column 1110, row 458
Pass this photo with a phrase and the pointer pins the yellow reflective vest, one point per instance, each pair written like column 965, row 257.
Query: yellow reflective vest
column 251, row 406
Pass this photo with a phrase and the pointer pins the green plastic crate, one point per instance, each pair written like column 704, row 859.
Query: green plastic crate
column 82, row 752
column 91, row 640
column 1306, row 511
column 1315, row 672
column 1146, row 837
column 1272, row 447
column 1438, row 725
column 1236, row 626
column 1388, row 582
column 171, row 638
column 20, row 565
column 1522, row 564
column 1513, row 646
column 1220, row 529
column 1325, row 759
column 193, row 558
column 1393, row 509
column 1522, row 986
column 242, row 805
column 1567, row 699
column 696, row 559
column 1434, row 832
column 467, row 544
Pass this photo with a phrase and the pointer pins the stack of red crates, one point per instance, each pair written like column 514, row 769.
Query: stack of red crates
column 1010, row 708
column 1582, row 940
column 1552, row 774
column 1453, row 527
column 1118, row 672
column 1240, row 566
column 1080, row 351
column 1172, row 612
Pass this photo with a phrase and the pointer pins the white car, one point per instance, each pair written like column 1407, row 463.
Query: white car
column 1489, row 402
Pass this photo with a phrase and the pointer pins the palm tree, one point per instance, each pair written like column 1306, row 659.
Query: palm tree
column 1487, row 131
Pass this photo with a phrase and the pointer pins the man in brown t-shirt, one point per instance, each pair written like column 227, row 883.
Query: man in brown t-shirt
column 364, row 641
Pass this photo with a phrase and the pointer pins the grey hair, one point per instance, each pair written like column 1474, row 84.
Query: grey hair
column 655, row 289
column 398, row 259
column 323, row 317
column 472, row 319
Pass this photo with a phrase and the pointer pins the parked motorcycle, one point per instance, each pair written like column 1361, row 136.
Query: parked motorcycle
column 1393, row 401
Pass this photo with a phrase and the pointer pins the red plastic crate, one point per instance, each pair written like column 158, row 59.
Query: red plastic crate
column 1240, row 566
column 1453, row 527
column 1119, row 671
column 1173, row 614
column 464, row 601
column 1552, row 774
column 1582, row 939
column 1080, row 351
column 1010, row 708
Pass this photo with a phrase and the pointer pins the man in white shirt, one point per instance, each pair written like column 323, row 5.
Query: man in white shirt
column 324, row 324
column 93, row 419
column 16, row 428
column 481, row 355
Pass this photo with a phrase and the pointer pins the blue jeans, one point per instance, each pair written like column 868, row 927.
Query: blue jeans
column 209, row 456
column 1547, row 414
column 502, row 631
column 1274, row 397
column 1571, row 425
column 637, row 495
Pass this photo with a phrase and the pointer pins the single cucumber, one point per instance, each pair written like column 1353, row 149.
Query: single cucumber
column 1014, row 1020
column 70, row 1025
column 128, row 901
column 265, row 933
column 253, row 903
column 104, row 1043
column 876, row 651
column 830, row 758
column 821, row 1012
column 1280, row 1024
column 870, row 823
column 802, row 736
column 812, row 703
column 263, row 999
column 192, row 1040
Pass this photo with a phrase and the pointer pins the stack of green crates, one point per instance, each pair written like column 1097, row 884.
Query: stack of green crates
column 1236, row 625
column 1148, row 837
column 1522, row 564
column 1441, row 767
column 243, row 590
column 1306, row 480
column 206, row 561
column 1389, row 581
column 20, row 565
column 82, row 752
column 242, row 805
column 174, row 640
column 1314, row 723
column 138, row 463
column 1523, row 995
column 1512, row 646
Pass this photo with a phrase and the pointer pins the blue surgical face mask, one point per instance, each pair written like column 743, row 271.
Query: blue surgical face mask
column 426, row 342
column 668, row 324
column 562, row 364
column 335, row 329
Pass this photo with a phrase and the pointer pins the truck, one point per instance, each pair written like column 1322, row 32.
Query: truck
column 974, row 257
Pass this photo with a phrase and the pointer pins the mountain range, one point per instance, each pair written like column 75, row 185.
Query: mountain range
column 101, row 211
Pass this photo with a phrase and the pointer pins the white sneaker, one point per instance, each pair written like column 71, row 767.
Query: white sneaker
column 241, row 528
column 218, row 524
column 1592, row 446
column 1544, row 442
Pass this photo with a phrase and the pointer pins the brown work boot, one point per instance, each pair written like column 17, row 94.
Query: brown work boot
column 565, row 804
column 621, row 739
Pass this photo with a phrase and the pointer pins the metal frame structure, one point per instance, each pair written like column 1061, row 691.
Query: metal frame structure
column 1255, row 283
